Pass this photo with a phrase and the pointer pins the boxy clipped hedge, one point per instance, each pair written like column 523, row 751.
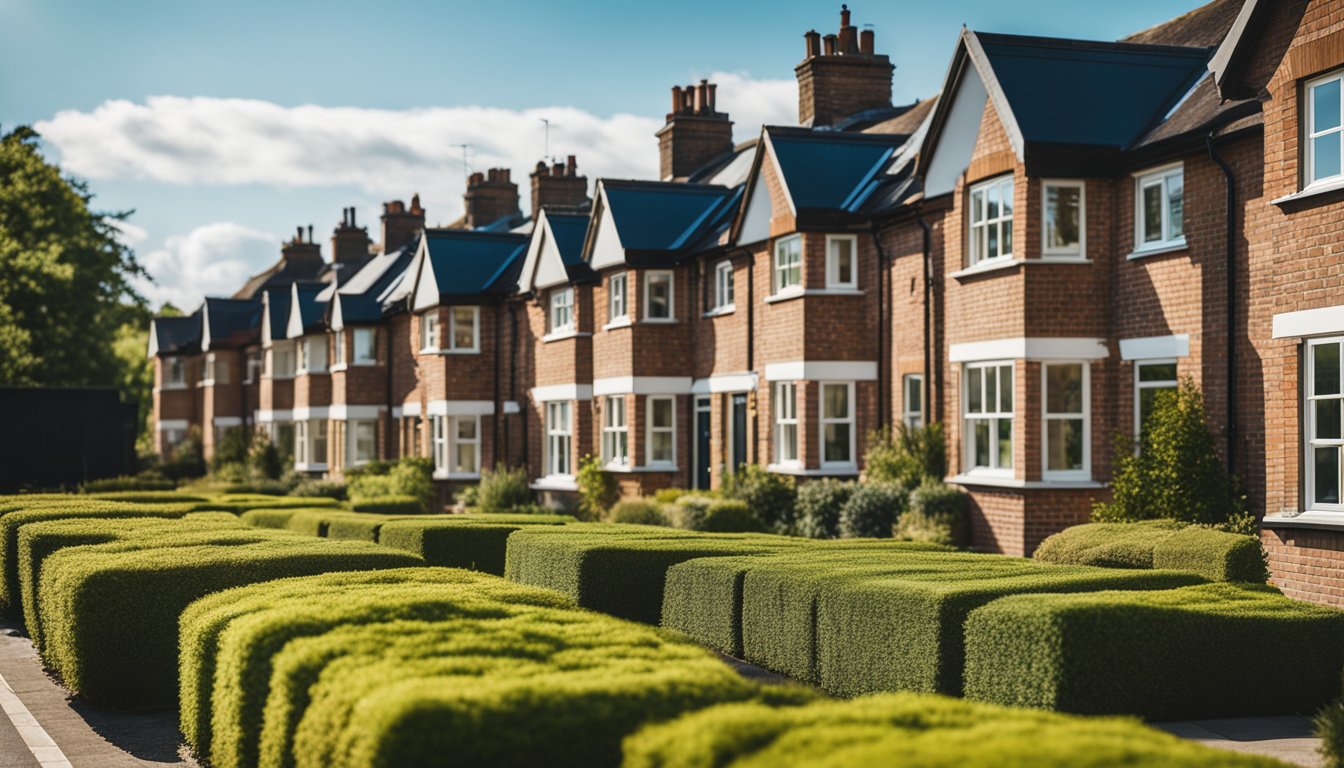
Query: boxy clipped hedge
column 618, row 569
column 238, row 503
column 475, row 542
column 1169, row 655
column 913, row 729
column 1170, row 544
column 109, row 616
column 237, row 638
column 267, row 518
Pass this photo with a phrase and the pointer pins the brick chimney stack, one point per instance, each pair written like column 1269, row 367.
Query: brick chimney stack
column 696, row 132
column 300, row 250
column 490, row 196
column 558, row 186
column 399, row 223
column 349, row 242
column 842, row 76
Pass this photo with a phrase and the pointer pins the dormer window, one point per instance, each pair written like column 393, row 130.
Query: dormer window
column 562, row 309
column 991, row 221
column 429, row 331
column 788, row 271
column 842, row 262
column 1324, row 130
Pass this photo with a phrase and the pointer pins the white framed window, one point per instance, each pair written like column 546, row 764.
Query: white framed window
column 171, row 438
column 339, row 348
column 253, row 368
column 1151, row 377
column 1323, row 411
column 464, row 329
column 615, row 435
column 842, row 261
column 562, row 309
column 300, row 442
column 208, row 372
column 1064, row 219
column 312, row 354
column 660, row 431
column 837, row 424
column 559, row 438
column 366, row 346
column 658, row 296
column 310, row 442
column 786, row 423
column 721, row 290
column 788, row 264
column 988, row 417
column 1324, row 129
column 174, row 372
column 216, row 371
column 438, row 443
column 464, row 445
column 429, row 331
column 618, row 308
column 363, row 442
column 912, row 385
column 1066, row 427
column 1159, row 208
column 991, row 230
column 282, row 361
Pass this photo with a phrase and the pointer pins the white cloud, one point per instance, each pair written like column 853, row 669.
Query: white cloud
column 130, row 234
column 214, row 260
column 752, row 103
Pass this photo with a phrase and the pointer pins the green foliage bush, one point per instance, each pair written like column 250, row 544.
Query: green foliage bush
column 819, row 506
column 474, row 542
column 597, row 489
column 147, row 497
column 770, row 496
column 187, row 459
column 906, row 457
column 1170, row 544
column 111, row 644
column 937, row 514
column 637, row 512
column 265, row 459
column 913, row 730
column 689, row 511
column 503, row 489
column 331, row 489
column 232, row 449
column 1329, row 727
column 872, row 511
column 731, row 516
column 141, row 482
column 389, row 505
column 1176, row 473
column 412, row 477
column 669, row 495
column 1178, row 654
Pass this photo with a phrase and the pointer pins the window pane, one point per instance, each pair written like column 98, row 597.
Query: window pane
column 842, row 252
column 466, row 458
column 1064, row 444
column 835, row 404
column 1157, row 372
column 1325, row 156
column 1325, row 380
column 1005, row 389
column 1006, row 191
column 788, row 442
column 1006, row 237
column 977, row 206
column 1152, row 213
column 1005, row 443
column 980, row 438
column 1064, row 389
column 1176, row 204
column 1325, row 106
column 1327, row 419
column 466, row 429
column 464, row 327
column 992, row 249
column 837, row 443
column 975, row 402
column 1326, row 475
column 992, row 202
column 660, row 298
column 662, row 413
column 1061, row 216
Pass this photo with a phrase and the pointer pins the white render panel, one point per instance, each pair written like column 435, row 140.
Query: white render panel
column 1309, row 322
column 822, row 370
column 1151, row 347
column 555, row 392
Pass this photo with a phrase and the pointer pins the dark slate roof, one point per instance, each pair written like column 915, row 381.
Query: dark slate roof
column 1205, row 26
column 720, row 226
column 232, row 322
column 312, row 311
column 828, row 171
column 281, row 274
column 361, row 292
column 1198, row 114
column 569, row 231
column 472, row 263
column 178, row 335
column 1085, row 93
column 656, row 219
column 278, row 298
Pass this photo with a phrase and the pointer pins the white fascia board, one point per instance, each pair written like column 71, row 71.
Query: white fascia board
column 725, row 382
column 1151, row 347
column 756, row 221
column 426, row 291
column 228, row 421
column 344, row 412
column 607, row 249
column 294, row 327
column 549, row 271
column 275, row 415
column 153, row 339
column 556, row 392
column 996, row 95
column 337, row 323
column 205, row 326
column 779, row 172
column 409, row 408
column 1020, row 348
column 642, row 385
column 1309, row 322
column 525, row 278
column 461, row 408
column 167, row 424
column 822, row 370
column 314, row 412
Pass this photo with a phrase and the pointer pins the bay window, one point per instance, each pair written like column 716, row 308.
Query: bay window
column 658, row 296
column 1159, row 209
column 175, row 372
column 786, row 423
column 312, row 354
column 438, row 443
column 837, row 425
column 991, row 231
column 464, row 329
column 660, row 432
column 1063, row 225
column 1323, row 411
column 1066, row 428
column 988, row 416
column 1324, row 130
column 310, row 443
column 788, row 264
column 559, row 438
column 363, row 440
column 615, row 445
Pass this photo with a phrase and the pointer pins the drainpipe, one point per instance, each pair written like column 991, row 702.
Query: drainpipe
column 928, row 316
column 1231, row 256
column 513, row 373
column 513, row 314
column 754, row 448
column 390, row 430
column 499, row 366
column 883, row 323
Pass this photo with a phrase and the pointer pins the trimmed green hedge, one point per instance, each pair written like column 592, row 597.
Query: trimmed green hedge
column 616, row 569
column 1215, row 650
column 238, row 503
column 148, row 497
column 461, row 541
column 389, row 505
column 109, row 616
column 1169, row 544
column 913, row 730
column 267, row 518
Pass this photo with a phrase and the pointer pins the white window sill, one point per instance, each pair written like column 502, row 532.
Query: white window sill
column 792, row 292
column 311, row 373
column 461, row 352
column 800, row 471
column 1004, row 481
column 171, row 387
column 207, row 382
column 442, row 475
column 338, row 368
column 289, row 377
column 364, row 363
column 834, row 290
column 1333, row 184
column 1059, row 258
column 1326, row 521
column 726, row 309
column 428, row 351
column 625, row 469
column 562, row 334
column 310, row 467
column 659, row 320
column 1158, row 249
column 620, row 322
column 992, row 265
column 555, row 483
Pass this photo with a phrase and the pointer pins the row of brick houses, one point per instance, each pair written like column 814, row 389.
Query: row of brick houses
column 1067, row 228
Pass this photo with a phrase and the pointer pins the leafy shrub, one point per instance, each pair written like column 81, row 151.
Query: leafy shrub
column 265, row 459
column 503, row 489
column 937, row 514
column 906, row 457
column 1176, row 473
column 1169, row 544
column 474, row 542
column 871, row 512
column 669, row 495
column 187, row 459
column 731, row 516
column 1169, row 655
column 1329, row 726
column 770, row 496
column 232, row 449
column 819, row 505
column 912, row 729
column 637, row 512
column 689, row 511
column 469, row 496
column 145, row 481
column 331, row 489
column 411, row 476
column 597, row 489
column 389, row 505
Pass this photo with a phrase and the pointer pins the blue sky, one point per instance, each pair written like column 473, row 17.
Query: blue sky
column 225, row 124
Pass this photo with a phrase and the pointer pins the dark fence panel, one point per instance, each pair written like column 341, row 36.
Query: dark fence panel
column 52, row 438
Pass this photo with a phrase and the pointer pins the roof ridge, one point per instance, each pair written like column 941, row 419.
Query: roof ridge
column 1075, row 42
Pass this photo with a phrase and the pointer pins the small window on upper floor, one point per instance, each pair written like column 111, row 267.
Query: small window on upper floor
column 562, row 309
column 991, row 230
column 721, row 287
column 1063, row 223
column 429, row 331
column 617, row 307
column 366, row 346
column 175, row 374
column 1159, row 209
column 1324, row 130
column 338, row 348
column 658, row 296
column 788, row 265
column 842, row 261
column 464, row 332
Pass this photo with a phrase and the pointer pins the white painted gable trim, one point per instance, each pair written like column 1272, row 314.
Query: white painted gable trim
column 153, row 338
column 951, row 155
column 337, row 323
column 607, row 249
column 205, row 327
column 426, row 286
column 822, row 370
column 556, row 392
column 1029, row 349
column 642, row 385
column 783, row 182
column 1001, row 105
column 1151, row 347
column 756, row 220
column 1309, row 322
column 550, row 267
column 294, row 326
